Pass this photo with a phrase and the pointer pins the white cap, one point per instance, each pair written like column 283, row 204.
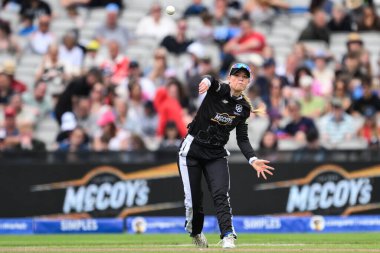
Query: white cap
column 196, row 49
column 68, row 121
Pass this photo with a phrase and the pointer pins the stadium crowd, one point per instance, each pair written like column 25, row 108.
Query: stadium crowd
column 113, row 102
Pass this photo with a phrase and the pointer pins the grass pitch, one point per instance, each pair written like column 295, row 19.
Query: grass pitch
column 350, row 242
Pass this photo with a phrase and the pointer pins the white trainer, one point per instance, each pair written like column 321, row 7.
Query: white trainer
column 228, row 242
column 200, row 241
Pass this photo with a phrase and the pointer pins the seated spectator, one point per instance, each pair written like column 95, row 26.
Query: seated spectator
column 337, row 126
column 263, row 12
column 41, row 39
column 312, row 151
column 27, row 26
column 340, row 20
column 317, row 28
column 70, row 54
column 177, row 44
column 206, row 31
column 323, row 73
column 313, row 106
column 171, row 140
column 155, row 24
column 370, row 21
column 8, row 43
column 78, row 87
column 26, row 140
column 136, row 143
column 354, row 44
column 24, row 113
column 9, row 68
column 249, row 41
column 92, row 58
column 52, row 71
column 73, row 14
column 160, row 67
column 135, row 107
column 168, row 109
column 116, row 65
column 369, row 100
column 341, row 92
column 352, row 67
column 6, row 90
column 12, row 133
column 269, row 141
column 77, row 141
column 38, row 100
column 276, row 102
column 299, row 125
column 196, row 8
column 150, row 120
column 110, row 138
column 35, row 8
column 112, row 30
column 370, row 130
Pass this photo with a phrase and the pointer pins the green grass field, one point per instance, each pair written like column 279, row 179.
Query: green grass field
column 350, row 242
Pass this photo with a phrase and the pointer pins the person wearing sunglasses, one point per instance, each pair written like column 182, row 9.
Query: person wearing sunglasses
column 224, row 108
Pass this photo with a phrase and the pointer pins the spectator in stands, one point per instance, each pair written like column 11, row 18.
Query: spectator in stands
column 97, row 97
column 8, row 43
column 77, row 141
column 313, row 106
column 177, row 44
column 136, row 143
column 41, row 39
column 337, row 126
column 365, row 62
column 27, row 26
column 9, row 68
column 80, row 86
column 351, row 66
column 326, row 5
column 302, row 55
column 354, row 44
column 370, row 129
column 263, row 12
column 150, row 120
column 12, row 5
column 91, row 58
column 340, row 20
column 370, row 20
column 196, row 8
column 249, row 41
column 156, row 25
column 116, row 65
column 269, row 141
column 5, row 88
column 276, row 102
column 323, row 73
column 24, row 113
column 10, row 127
column 160, row 67
column 38, row 100
column 26, row 140
column 312, row 151
column 135, row 107
column 317, row 28
column 296, row 90
column 265, row 78
column 206, row 31
column 120, row 110
column 83, row 116
column 356, row 7
column 369, row 100
column 35, row 8
column 341, row 92
column 110, row 138
column 112, row 30
column 70, row 54
column 299, row 125
column 221, row 13
column 168, row 109
column 172, row 139
column 74, row 15
column 52, row 71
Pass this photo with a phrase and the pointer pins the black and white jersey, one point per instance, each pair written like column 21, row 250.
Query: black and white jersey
column 218, row 115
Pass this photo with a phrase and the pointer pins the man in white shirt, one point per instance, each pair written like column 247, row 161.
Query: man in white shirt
column 41, row 39
column 155, row 25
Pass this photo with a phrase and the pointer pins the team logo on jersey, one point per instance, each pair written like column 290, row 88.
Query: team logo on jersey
column 224, row 101
column 239, row 108
column 223, row 119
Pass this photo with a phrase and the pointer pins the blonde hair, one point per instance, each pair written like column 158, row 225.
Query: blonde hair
column 259, row 111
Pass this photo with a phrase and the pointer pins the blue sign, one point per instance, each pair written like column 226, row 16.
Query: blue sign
column 166, row 225
column 355, row 223
column 82, row 226
column 269, row 224
column 16, row 226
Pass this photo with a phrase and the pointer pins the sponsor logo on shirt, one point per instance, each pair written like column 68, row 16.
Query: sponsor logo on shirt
column 223, row 119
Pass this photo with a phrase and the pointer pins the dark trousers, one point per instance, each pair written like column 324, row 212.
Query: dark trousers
column 218, row 180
